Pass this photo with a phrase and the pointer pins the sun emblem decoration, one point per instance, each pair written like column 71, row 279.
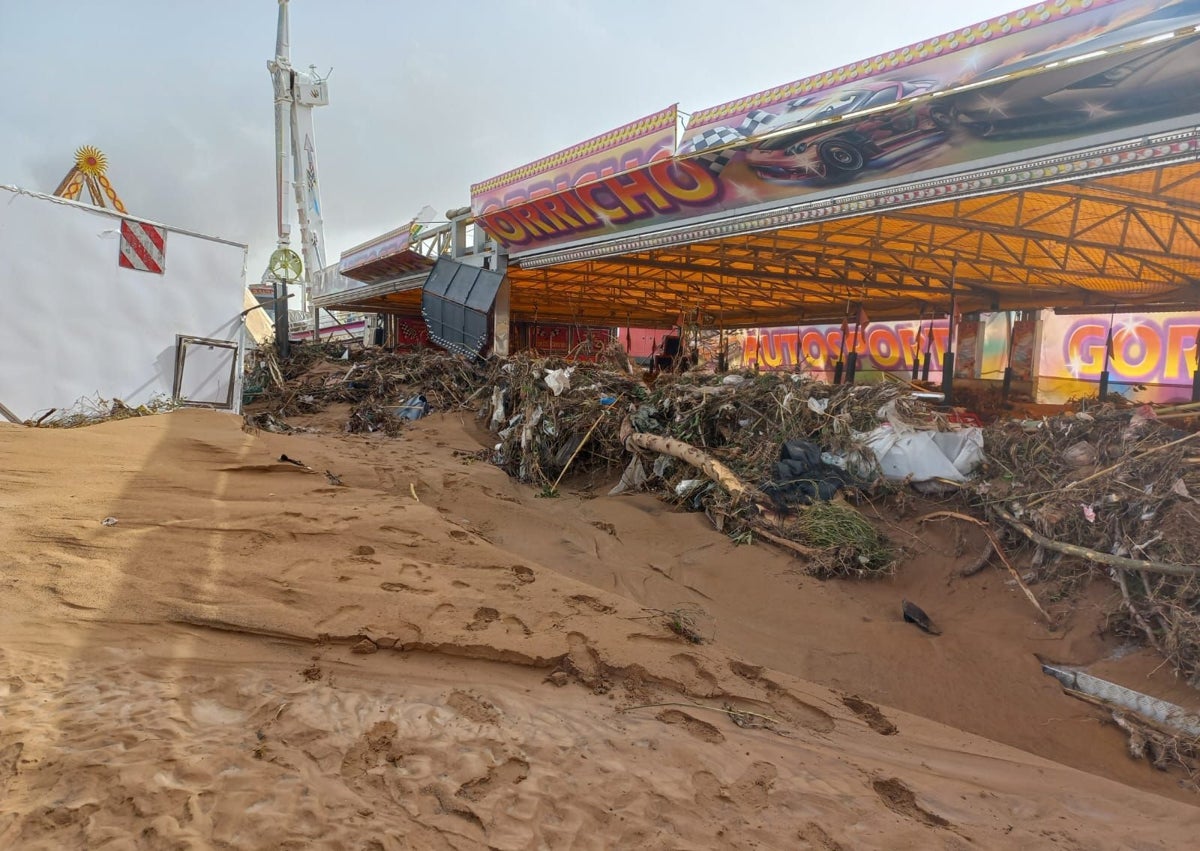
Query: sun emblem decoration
column 90, row 160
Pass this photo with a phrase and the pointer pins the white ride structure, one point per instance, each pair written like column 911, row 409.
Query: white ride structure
column 297, row 93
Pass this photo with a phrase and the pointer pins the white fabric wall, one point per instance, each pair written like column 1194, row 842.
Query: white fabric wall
column 75, row 325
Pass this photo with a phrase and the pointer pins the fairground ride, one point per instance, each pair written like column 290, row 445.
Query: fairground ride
column 89, row 170
column 297, row 93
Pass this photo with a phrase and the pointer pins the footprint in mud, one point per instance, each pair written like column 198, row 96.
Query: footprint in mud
column 400, row 586
column 745, row 671
column 458, row 583
column 691, row 669
column 472, row 708
column 515, row 626
column 898, row 798
column 709, row 794
column 591, row 603
column 10, row 760
column 460, row 536
column 754, row 786
column 796, row 710
column 870, row 713
column 370, row 750
column 702, row 730
column 583, row 656
column 503, row 497
column 400, row 635
column 508, row 773
column 813, row 837
column 484, row 616
column 523, row 575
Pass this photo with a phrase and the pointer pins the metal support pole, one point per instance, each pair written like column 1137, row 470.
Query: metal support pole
column 1008, row 370
column 282, row 343
column 916, row 349
column 1196, row 371
column 948, row 357
column 501, row 325
column 1108, row 348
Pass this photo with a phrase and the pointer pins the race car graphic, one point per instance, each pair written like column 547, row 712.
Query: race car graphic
column 839, row 152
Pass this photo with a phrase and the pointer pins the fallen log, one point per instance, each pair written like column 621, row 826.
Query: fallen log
column 1093, row 555
column 689, row 454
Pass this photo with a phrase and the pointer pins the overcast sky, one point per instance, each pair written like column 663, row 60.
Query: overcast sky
column 426, row 98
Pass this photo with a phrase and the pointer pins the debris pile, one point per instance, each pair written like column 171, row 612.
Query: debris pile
column 376, row 384
column 1113, row 488
column 89, row 411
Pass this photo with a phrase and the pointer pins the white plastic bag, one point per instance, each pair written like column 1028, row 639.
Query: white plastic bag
column 559, row 380
column 923, row 455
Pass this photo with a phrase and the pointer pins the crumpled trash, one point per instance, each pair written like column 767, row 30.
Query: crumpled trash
column 498, row 415
column 920, row 455
column 559, row 380
column 1080, row 454
column 646, row 418
column 802, row 475
column 914, row 614
column 633, row 479
column 412, row 409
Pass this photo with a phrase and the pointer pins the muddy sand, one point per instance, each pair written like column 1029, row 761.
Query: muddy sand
column 428, row 655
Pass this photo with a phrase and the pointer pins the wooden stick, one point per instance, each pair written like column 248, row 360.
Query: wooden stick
column 999, row 551
column 1092, row 555
column 1186, row 406
column 1136, row 615
column 9, row 415
column 582, row 443
column 807, row 552
column 1108, row 470
column 1177, row 415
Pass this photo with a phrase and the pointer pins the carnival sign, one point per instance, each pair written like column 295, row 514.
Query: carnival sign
column 1151, row 356
column 1052, row 78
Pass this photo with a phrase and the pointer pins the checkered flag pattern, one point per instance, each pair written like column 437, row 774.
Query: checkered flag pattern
column 756, row 120
column 715, row 138
column 716, row 162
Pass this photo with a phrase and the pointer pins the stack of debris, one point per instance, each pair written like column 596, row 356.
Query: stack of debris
column 379, row 386
column 1114, row 488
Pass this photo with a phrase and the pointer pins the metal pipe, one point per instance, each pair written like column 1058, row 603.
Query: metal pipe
column 948, row 357
column 1108, row 348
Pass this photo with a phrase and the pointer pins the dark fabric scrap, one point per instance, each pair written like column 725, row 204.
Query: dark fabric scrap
column 800, row 476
